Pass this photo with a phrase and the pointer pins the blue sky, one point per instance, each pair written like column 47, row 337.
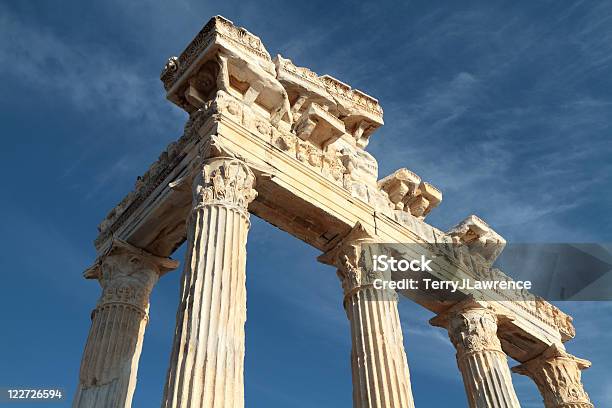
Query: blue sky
column 503, row 105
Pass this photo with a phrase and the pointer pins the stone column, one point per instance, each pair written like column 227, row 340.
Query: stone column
column 110, row 360
column 380, row 370
column 206, row 364
column 557, row 375
column 472, row 328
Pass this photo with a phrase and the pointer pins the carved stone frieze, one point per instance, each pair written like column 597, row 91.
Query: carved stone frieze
column 308, row 153
column 360, row 176
column 326, row 161
column 361, row 166
column 285, row 141
column 230, row 106
column 332, row 165
column 553, row 316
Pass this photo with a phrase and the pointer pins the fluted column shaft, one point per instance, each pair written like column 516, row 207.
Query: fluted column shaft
column 110, row 360
column 206, row 365
column 380, row 369
column 379, row 366
column 558, row 377
column 472, row 328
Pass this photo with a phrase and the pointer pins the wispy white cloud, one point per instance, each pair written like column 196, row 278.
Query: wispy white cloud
column 520, row 162
column 96, row 81
column 91, row 77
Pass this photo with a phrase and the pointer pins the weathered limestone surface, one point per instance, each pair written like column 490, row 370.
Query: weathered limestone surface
column 472, row 328
column 302, row 137
column 479, row 238
column 206, row 365
column 409, row 195
column 558, row 377
column 110, row 360
column 380, row 369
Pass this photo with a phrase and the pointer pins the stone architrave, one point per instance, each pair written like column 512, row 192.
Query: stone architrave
column 110, row 360
column 472, row 328
column 379, row 366
column 558, row 377
column 207, row 360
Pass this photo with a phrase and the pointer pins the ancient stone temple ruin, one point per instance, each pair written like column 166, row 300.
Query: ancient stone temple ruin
column 270, row 138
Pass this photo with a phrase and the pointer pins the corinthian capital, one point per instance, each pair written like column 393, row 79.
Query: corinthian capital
column 558, row 377
column 472, row 327
column 226, row 181
column 352, row 257
column 127, row 274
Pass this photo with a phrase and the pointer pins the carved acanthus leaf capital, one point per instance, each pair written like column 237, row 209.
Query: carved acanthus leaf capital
column 471, row 325
column 226, row 181
column 127, row 274
column 353, row 258
column 558, row 377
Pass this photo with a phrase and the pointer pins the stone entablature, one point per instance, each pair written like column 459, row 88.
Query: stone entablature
column 230, row 57
column 331, row 165
column 217, row 30
column 402, row 196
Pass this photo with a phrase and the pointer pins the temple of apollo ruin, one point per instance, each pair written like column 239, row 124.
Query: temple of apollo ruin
column 269, row 138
